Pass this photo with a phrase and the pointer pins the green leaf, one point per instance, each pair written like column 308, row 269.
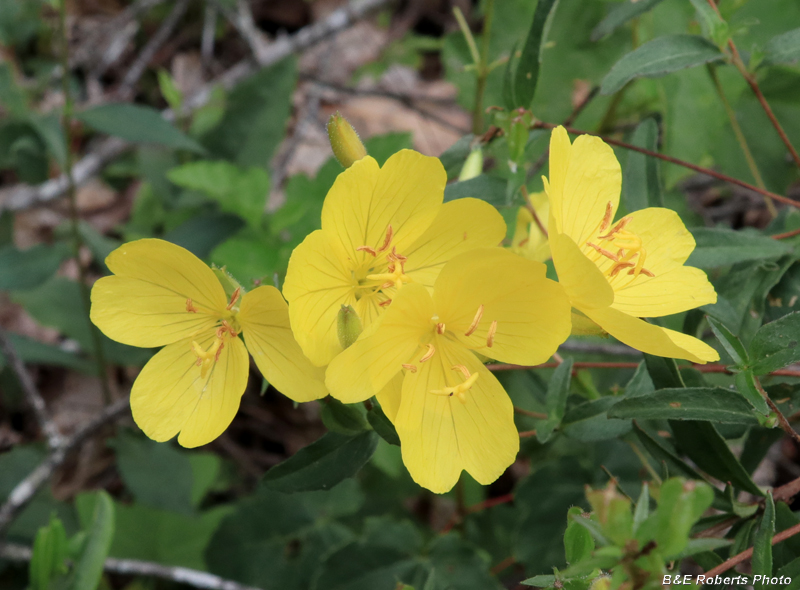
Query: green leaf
column 762, row 548
column 27, row 269
column 453, row 158
column 12, row 96
column 345, row 419
column 695, row 546
column 201, row 234
column 732, row 345
column 89, row 566
column 527, row 74
column 701, row 442
column 663, row 371
column 680, row 505
column 578, row 542
column 642, row 510
column 487, row 188
column 543, row 581
column 775, row 345
column 32, row 351
column 658, row 57
column 659, row 450
column 137, row 124
column 323, row 463
column 783, row 49
column 255, row 118
column 714, row 404
column 746, row 385
column 49, row 129
column 588, row 422
column 242, row 191
column 557, row 393
column 723, row 247
column 157, row 474
column 619, row 15
column 382, row 425
column 642, row 185
column 170, row 91
column 49, row 555
column 756, row 446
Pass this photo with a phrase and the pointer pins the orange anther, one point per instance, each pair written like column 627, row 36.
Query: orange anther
column 644, row 271
column 607, row 217
column 440, row 327
column 190, row 307
column 617, row 228
column 385, row 303
column 604, row 252
column 490, row 335
column 388, row 239
column 387, row 284
column 409, row 367
column 474, row 325
column 219, row 351
column 463, row 370
column 619, row 266
column 429, row 354
column 234, row 298
column 367, row 249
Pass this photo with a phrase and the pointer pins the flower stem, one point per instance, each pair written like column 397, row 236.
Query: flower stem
column 737, row 131
column 77, row 241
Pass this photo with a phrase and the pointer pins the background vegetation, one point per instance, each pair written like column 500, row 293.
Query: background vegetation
column 202, row 122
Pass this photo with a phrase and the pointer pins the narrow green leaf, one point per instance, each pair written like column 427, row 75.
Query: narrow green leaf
column 543, row 581
column 201, row 234
column 619, row 15
column 776, row 344
column 487, row 188
column 732, row 345
column 509, row 99
column 642, row 510
column 344, row 419
column 588, row 422
column 746, row 385
column 578, row 542
column 89, row 566
column 556, row 403
column 27, row 269
column 663, row 371
column 323, row 463
column 527, row 74
column 701, row 442
column 662, row 454
column 723, row 247
column 658, row 57
column 714, row 404
column 762, row 549
column 382, row 425
column 641, row 187
column 783, row 49
column 137, row 124
column 756, row 446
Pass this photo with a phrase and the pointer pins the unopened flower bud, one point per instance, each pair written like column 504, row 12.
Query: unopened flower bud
column 346, row 145
column 348, row 326
column 473, row 166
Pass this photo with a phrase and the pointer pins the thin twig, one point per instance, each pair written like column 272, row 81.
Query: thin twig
column 744, row 555
column 24, row 491
column 671, row 160
column 527, row 433
column 32, row 395
column 787, row 491
column 788, row 234
column 134, row 73
column 77, row 239
column 181, row 575
column 242, row 20
column 751, row 80
column 537, row 415
column 25, row 196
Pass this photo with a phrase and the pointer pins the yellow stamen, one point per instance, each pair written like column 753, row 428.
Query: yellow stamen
column 190, row 307
column 207, row 358
column 474, row 325
column 460, row 389
column 440, row 327
column 410, row 367
column 464, row 370
column 490, row 335
column 429, row 354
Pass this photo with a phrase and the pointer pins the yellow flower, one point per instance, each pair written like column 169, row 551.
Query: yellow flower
column 161, row 294
column 617, row 272
column 381, row 228
column 530, row 237
column 420, row 359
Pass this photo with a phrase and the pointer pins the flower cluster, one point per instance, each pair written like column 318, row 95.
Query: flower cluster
column 431, row 296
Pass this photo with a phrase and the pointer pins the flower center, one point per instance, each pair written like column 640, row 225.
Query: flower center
column 227, row 328
column 621, row 246
column 462, row 388
column 394, row 275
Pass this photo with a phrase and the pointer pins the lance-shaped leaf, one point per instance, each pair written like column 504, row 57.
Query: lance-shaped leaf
column 527, row 74
column 714, row 404
column 776, row 344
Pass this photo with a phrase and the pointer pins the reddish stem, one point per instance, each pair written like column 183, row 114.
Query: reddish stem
column 788, row 234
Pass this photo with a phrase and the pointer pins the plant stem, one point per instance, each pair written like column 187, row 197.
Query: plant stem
column 788, row 234
column 751, row 80
column 739, row 558
column 530, row 414
column 737, row 131
column 77, row 241
column 671, row 160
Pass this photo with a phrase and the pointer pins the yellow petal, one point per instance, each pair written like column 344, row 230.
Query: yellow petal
column 529, row 240
column 531, row 311
column 675, row 291
column 583, row 180
column 365, row 200
column 318, row 282
column 583, row 282
column 651, row 339
column 146, row 303
column 170, row 396
column 389, row 397
column 462, row 225
column 583, row 326
column 441, row 436
column 377, row 356
column 667, row 241
column 264, row 318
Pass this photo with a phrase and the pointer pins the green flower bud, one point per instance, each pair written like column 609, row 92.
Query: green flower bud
column 473, row 166
column 346, row 145
column 348, row 326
